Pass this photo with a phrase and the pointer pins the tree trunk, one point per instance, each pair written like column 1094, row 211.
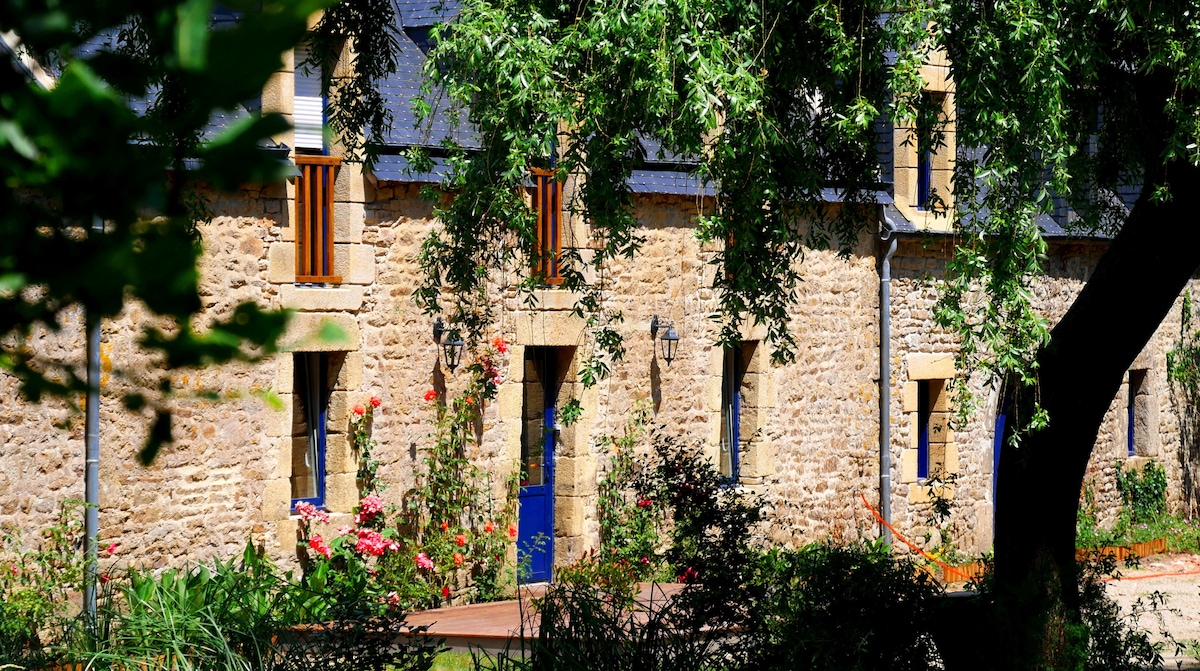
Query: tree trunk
column 1134, row 285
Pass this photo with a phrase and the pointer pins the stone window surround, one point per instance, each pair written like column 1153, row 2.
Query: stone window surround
column 341, row 461
column 575, row 467
column 1141, row 417
column 756, row 458
column 936, row 370
column 936, row 73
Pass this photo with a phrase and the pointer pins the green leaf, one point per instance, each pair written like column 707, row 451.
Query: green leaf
column 192, row 31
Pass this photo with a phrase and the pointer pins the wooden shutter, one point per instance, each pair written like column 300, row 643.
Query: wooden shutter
column 314, row 219
column 547, row 204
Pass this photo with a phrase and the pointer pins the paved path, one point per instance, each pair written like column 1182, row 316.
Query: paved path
column 490, row 626
column 1177, row 576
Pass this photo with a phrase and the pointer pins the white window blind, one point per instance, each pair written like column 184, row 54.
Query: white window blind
column 308, row 105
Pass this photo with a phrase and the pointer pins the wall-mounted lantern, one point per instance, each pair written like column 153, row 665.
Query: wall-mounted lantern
column 452, row 348
column 669, row 340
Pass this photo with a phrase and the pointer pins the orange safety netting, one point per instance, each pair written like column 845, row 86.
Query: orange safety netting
column 955, row 575
column 951, row 573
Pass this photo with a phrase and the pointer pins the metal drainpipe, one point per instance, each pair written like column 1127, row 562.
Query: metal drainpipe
column 887, row 234
column 91, row 477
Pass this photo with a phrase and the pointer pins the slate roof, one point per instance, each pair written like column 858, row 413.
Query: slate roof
column 401, row 87
column 396, row 168
column 426, row 13
column 219, row 121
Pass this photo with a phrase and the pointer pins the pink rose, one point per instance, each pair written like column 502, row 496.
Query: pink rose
column 310, row 513
column 112, row 549
column 368, row 508
column 370, row 542
column 423, row 561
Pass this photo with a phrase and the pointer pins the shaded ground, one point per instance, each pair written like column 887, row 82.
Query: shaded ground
column 1178, row 577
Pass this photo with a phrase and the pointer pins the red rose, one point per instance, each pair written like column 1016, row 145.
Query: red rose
column 445, row 525
column 460, row 539
column 489, row 527
column 430, row 395
column 359, row 410
column 445, row 592
column 375, row 402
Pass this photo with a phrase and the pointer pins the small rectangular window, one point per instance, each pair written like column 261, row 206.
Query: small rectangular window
column 309, row 410
column 924, row 414
column 731, row 410
column 314, row 218
column 1135, row 410
column 547, row 205
column 927, row 122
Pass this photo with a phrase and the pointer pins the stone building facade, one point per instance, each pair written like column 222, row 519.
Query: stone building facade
column 807, row 435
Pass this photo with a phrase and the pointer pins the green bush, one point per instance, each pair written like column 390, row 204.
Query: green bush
column 235, row 616
column 847, row 608
column 1144, row 495
column 36, row 584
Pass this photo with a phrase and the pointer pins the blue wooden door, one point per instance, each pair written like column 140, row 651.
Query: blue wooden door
column 535, row 538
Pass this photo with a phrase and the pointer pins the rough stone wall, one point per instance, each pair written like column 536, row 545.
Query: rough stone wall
column 917, row 264
column 813, row 454
column 202, row 496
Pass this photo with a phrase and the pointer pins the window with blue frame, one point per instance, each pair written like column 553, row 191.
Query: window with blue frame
column 310, row 408
column 936, row 450
column 928, row 119
column 924, row 414
column 731, row 406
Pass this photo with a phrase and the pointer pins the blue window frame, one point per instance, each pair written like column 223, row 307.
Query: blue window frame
column 309, row 414
column 731, row 413
column 924, row 412
column 1137, row 387
column 926, row 123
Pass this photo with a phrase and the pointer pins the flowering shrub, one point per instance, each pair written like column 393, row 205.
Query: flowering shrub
column 37, row 582
column 629, row 519
column 364, row 444
column 455, row 539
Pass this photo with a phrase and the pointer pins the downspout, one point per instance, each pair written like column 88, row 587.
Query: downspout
column 91, row 473
column 887, row 234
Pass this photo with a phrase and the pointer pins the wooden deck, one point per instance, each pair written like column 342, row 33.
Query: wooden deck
column 490, row 626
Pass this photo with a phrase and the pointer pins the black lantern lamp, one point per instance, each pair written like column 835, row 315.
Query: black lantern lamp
column 669, row 340
column 452, row 348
